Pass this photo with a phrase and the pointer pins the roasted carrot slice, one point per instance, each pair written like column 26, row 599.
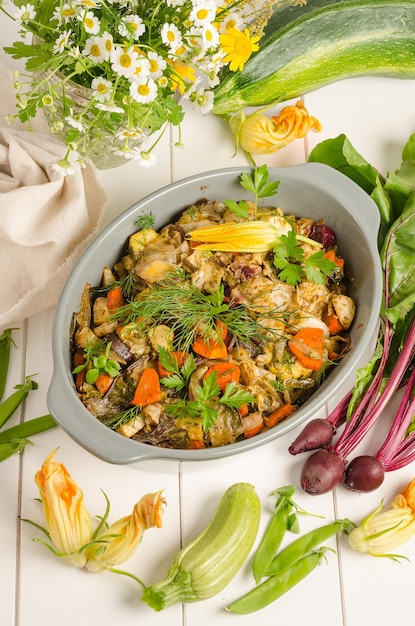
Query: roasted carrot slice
column 148, row 388
column 307, row 347
column 279, row 414
column 225, row 373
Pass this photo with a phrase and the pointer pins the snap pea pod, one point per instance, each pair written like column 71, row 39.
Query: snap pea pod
column 274, row 587
column 6, row 342
column 12, row 447
column 11, row 404
column 281, row 521
column 27, row 429
column 304, row 544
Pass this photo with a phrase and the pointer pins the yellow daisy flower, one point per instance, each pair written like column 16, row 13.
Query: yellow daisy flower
column 238, row 47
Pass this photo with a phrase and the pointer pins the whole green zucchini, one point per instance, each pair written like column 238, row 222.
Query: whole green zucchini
column 209, row 562
column 306, row 47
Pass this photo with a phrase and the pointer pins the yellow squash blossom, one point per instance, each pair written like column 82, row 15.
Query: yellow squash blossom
column 385, row 530
column 251, row 236
column 259, row 134
column 69, row 524
column 238, row 46
column 120, row 540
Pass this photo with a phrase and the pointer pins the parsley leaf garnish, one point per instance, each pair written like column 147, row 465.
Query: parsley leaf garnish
column 294, row 266
column 317, row 267
column 258, row 184
column 205, row 405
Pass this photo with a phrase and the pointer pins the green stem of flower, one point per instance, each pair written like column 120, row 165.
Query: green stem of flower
column 123, row 573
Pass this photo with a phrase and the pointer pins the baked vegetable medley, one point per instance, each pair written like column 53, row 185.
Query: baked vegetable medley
column 214, row 328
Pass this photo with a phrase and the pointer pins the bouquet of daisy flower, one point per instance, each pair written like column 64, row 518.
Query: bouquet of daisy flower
column 110, row 75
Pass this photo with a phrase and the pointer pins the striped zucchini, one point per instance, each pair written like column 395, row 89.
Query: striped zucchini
column 306, row 47
column 208, row 563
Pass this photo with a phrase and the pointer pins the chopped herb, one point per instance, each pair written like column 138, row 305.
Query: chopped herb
column 207, row 399
column 294, row 266
column 97, row 364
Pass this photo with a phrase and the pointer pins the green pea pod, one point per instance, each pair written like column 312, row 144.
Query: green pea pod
column 27, row 429
column 6, row 341
column 14, row 446
column 11, row 404
column 304, row 544
column 274, row 533
column 273, row 588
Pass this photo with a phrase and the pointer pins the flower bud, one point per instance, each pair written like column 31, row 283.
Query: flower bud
column 259, row 134
column 385, row 530
column 68, row 521
column 118, row 542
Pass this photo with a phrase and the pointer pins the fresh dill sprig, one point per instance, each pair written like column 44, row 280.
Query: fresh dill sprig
column 189, row 313
column 122, row 418
column 146, row 220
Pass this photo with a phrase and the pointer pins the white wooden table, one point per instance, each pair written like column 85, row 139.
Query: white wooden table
column 37, row 589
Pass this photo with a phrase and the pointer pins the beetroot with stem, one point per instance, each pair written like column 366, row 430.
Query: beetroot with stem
column 318, row 433
column 322, row 471
column 366, row 473
column 392, row 360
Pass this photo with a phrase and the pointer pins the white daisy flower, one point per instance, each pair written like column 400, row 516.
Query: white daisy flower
column 156, row 65
column 203, row 100
column 142, row 68
column 125, row 151
column 210, row 37
column 64, row 13
column 89, row 4
column 132, row 26
column 232, row 20
column 25, row 13
column 63, row 167
column 110, row 108
column 143, row 90
column 62, row 41
column 73, row 122
column 124, row 61
column 102, row 89
column 203, row 12
column 94, row 49
column 90, row 22
column 145, row 159
column 171, row 36
column 175, row 3
column 163, row 81
column 136, row 134
column 107, row 44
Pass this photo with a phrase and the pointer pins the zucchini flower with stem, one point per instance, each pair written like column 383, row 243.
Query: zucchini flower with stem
column 69, row 523
column 381, row 532
column 69, row 530
column 259, row 134
column 118, row 542
column 252, row 236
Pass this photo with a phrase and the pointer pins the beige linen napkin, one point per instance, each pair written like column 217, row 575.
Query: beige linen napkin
column 46, row 219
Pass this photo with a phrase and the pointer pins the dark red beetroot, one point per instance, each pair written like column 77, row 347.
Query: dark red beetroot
column 322, row 471
column 323, row 234
column 364, row 473
column 318, row 433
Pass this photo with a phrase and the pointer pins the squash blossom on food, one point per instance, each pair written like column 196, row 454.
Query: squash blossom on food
column 69, row 524
column 385, row 530
column 252, row 236
column 259, row 134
